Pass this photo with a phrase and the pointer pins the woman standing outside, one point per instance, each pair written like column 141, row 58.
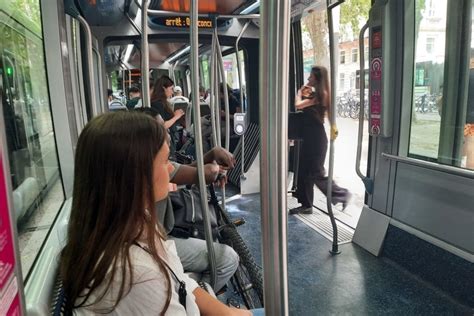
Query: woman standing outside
column 117, row 259
column 162, row 93
column 314, row 100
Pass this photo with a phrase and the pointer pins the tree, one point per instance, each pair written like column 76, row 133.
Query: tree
column 353, row 12
column 316, row 25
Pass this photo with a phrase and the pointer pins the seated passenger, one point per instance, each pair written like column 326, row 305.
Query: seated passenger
column 114, row 104
column 178, row 96
column 193, row 251
column 117, row 259
column 134, row 97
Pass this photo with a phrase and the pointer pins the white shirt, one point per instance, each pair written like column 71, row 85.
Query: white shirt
column 148, row 293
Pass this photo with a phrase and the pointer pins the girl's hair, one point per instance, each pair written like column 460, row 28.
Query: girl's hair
column 322, row 91
column 113, row 205
column 159, row 92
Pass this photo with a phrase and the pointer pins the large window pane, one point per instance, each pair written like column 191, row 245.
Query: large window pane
column 468, row 146
column 36, row 183
column 427, row 132
column 430, row 38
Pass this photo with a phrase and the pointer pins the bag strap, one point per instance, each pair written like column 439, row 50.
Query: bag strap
column 182, row 293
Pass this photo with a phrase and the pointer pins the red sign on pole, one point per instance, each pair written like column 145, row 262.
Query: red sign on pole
column 9, row 299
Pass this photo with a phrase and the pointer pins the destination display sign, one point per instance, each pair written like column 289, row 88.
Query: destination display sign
column 183, row 22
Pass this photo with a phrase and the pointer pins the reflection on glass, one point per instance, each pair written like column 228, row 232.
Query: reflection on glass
column 468, row 145
column 37, row 188
column 430, row 35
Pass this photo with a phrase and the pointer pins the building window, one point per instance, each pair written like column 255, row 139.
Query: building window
column 353, row 80
column 342, row 57
column 430, row 8
column 355, row 53
column 430, row 42
column 341, row 81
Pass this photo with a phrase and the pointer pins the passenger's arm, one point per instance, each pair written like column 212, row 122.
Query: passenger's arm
column 304, row 104
column 218, row 154
column 177, row 115
column 187, row 174
column 209, row 306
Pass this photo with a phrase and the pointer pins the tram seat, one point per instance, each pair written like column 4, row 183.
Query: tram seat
column 205, row 110
column 116, row 105
column 180, row 105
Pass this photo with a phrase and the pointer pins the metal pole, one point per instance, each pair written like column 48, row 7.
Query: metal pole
column 145, row 57
column 132, row 22
column 368, row 183
column 334, row 131
column 99, row 70
column 226, row 93
column 198, row 136
column 90, row 66
column 212, row 103
column 217, row 103
column 239, row 73
column 129, row 78
column 273, row 99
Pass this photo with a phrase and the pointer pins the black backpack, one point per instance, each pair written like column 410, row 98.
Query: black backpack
column 188, row 219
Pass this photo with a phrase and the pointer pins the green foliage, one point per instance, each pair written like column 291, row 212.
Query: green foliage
column 353, row 12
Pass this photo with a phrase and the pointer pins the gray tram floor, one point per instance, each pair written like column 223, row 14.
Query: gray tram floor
column 351, row 283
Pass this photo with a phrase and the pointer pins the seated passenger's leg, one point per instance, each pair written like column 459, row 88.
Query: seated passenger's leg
column 193, row 255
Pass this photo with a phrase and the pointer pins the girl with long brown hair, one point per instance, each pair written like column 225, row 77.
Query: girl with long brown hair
column 314, row 100
column 117, row 259
column 162, row 92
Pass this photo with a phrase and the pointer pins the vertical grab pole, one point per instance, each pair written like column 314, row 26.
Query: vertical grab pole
column 334, row 131
column 244, row 109
column 367, row 181
column 90, row 66
column 217, row 94
column 220, row 62
column 226, row 94
column 273, row 98
column 212, row 99
column 145, row 57
column 198, row 135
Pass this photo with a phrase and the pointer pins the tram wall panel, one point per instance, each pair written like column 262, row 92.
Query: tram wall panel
column 435, row 203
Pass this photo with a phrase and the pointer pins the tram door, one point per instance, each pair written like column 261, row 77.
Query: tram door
column 315, row 51
column 420, row 125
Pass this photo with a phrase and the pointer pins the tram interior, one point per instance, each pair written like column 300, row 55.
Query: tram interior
column 411, row 273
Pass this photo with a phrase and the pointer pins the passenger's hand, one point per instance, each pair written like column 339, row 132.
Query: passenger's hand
column 211, row 171
column 300, row 92
column 223, row 158
column 221, row 178
column 240, row 312
column 178, row 113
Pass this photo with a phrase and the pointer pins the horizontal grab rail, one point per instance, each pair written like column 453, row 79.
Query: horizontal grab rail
column 431, row 165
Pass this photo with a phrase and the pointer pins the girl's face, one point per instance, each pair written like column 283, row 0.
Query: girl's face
column 161, row 173
column 168, row 91
column 312, row 80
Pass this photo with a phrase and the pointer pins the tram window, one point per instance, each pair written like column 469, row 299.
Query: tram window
column 231, row 72
column 429, row 139
column 428, row 80
column 31, row 148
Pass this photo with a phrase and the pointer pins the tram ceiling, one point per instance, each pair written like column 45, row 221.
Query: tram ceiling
column 205, row 6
